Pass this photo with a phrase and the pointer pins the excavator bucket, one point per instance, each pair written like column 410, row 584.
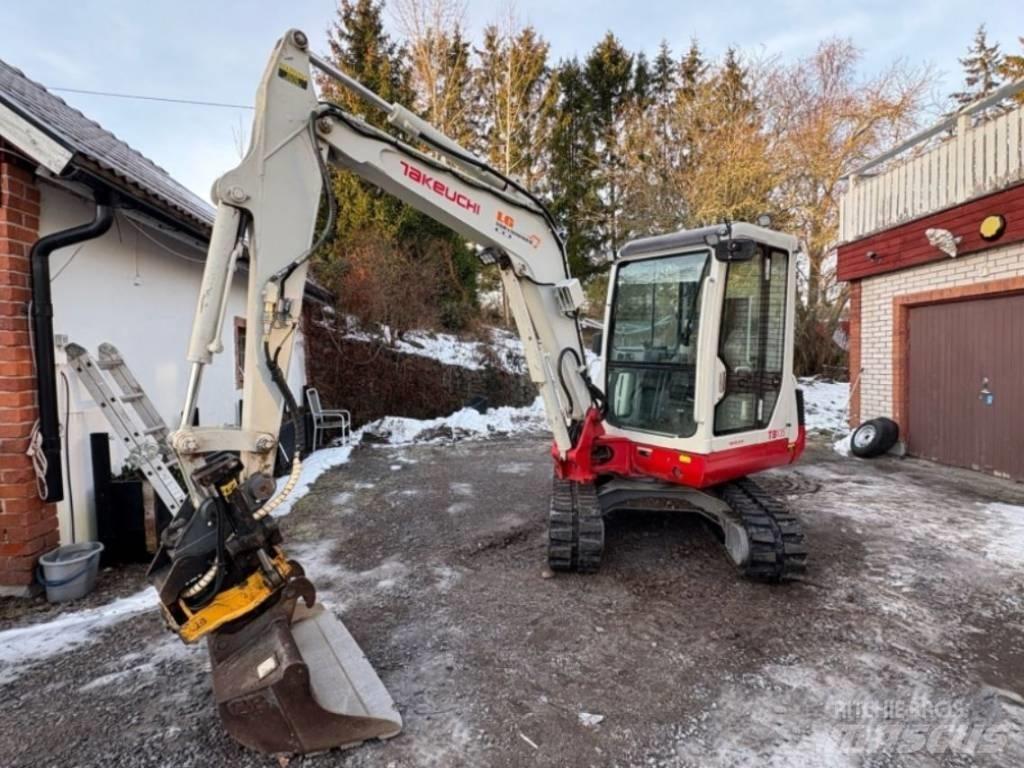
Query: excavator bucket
column 294, row 681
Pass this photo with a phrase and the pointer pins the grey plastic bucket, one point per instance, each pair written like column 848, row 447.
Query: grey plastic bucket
column 69, row 572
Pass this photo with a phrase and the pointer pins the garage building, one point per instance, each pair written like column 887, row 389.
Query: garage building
column 932, row 245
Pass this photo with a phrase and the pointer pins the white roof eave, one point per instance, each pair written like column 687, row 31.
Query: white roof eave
column 32, row 142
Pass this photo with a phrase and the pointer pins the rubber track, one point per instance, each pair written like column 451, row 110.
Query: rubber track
column 575, row 527
column 777, row 547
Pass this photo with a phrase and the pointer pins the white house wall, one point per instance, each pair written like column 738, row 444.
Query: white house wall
column 877, row 312
column 126, row 289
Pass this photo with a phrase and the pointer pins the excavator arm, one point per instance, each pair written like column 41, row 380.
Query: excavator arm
column 288, row 677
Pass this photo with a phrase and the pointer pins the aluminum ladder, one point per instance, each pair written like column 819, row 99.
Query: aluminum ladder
column 133, row 417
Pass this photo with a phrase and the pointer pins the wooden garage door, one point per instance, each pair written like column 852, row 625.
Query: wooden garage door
column 966, row 384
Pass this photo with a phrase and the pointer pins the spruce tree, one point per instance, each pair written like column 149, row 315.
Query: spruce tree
column 609, row 79
column 692, row 69
column 361, row 47
column 663, row 73
column 732, row 86
column 642, row 85
column 573, row 168
column 982, row 69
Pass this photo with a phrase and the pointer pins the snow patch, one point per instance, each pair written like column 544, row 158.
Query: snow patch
column 342, row 586
column 447, row 577
column 313, row 466
column 502, row 347
column 825, row 404
column 143, row 667
column 826, row 408
column 1005, row 527
column 467, row 423
column 69, row 630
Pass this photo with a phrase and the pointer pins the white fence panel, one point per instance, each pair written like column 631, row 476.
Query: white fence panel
column 974, row 160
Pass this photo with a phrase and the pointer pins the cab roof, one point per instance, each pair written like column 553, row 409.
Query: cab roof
column 688, row 238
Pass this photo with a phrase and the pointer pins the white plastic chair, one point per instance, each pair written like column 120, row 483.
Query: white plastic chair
column 332, row 419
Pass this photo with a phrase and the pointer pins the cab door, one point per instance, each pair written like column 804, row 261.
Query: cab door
column 751, row 341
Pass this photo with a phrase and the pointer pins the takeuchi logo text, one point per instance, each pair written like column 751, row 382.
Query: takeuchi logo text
column 438, row 187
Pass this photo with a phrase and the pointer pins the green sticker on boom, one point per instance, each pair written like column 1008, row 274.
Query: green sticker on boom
column 293, row 76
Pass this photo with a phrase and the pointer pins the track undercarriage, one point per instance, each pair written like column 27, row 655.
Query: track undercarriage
column 759, row 534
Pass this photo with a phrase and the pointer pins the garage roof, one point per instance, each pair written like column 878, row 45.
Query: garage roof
column 95, row 149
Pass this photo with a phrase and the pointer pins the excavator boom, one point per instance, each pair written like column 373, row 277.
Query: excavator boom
column 288, row 677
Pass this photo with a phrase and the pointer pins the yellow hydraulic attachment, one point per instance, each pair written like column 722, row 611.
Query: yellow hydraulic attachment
column 232, row 603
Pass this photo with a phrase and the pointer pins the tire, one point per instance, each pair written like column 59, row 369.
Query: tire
column 874, row 437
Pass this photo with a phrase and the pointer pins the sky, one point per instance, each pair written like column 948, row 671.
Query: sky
column 215, row 50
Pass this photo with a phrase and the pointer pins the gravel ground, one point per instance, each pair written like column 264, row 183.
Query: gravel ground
column 903, row 647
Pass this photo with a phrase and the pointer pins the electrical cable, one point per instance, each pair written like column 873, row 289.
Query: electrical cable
column 289, row 399
column 214, row 574
column 67, row 263
column 141, row 230
column 561, row 374
column 142, row 97
column 35, row 451
column 37, row 455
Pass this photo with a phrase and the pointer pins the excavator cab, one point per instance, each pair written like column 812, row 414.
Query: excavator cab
column 698, row 351
column 698, row 394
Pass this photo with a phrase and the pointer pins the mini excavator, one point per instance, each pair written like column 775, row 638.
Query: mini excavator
column 694, row 392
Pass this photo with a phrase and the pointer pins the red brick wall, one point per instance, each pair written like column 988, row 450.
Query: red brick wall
column 28, row 527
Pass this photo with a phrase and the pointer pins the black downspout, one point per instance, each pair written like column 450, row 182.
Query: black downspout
column 42, row 333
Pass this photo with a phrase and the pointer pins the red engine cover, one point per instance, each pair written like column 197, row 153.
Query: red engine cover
column 596, row 453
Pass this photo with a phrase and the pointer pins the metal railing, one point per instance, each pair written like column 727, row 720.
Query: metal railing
column 978, row 158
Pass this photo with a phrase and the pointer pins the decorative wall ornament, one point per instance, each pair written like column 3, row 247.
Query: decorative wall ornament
column 992, row 227
column 944, row 240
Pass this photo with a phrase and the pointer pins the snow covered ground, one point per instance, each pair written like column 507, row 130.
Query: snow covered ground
column 825, row 404
column 825, row 401
column 467, row 423
column 826, row 408
column 24, row 645
column 501, row 347
column 313, row 466
column 886, row 655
